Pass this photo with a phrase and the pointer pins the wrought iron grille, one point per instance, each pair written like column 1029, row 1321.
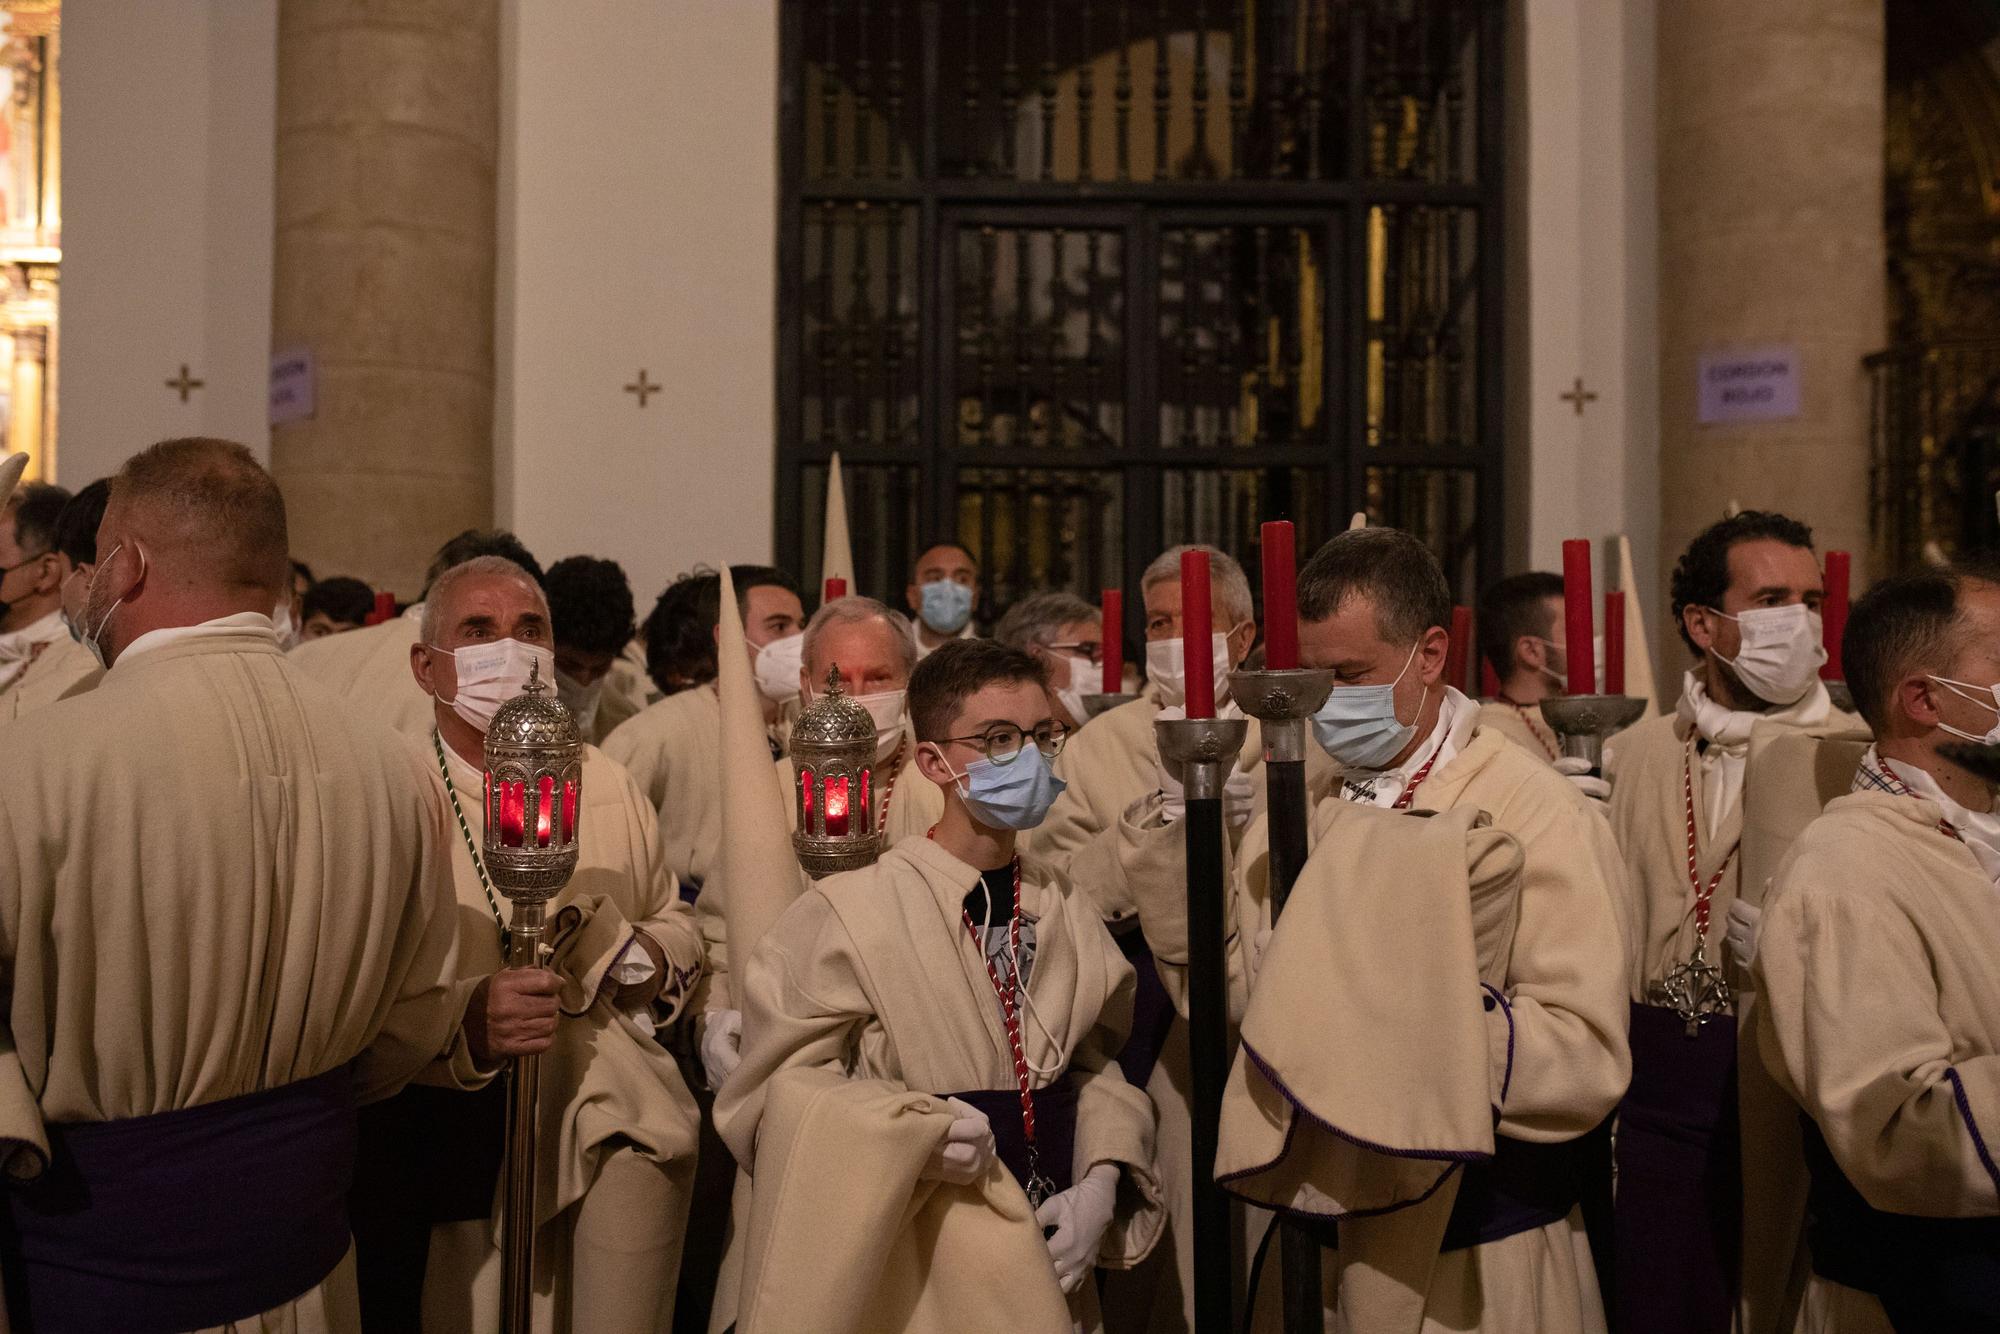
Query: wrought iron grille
column 1934, row 473
column 1072, row 280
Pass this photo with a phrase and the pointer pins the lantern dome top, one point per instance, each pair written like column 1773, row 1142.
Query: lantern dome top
column 533, row 719
column 834, row 719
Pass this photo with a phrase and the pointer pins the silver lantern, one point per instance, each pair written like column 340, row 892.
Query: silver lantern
column 834, row 793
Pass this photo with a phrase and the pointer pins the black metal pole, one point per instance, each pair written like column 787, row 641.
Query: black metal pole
column 1300, row 1273
column 1208, row 1060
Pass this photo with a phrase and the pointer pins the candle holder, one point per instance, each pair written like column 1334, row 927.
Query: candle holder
column 1584, row 721
column 1201, row 750
column 1282, row 701
column 833, row 786
column 1096, row 704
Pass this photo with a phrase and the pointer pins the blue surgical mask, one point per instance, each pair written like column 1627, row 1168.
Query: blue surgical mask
column 1358, row 726
column 947, row 605
column 1015, row 795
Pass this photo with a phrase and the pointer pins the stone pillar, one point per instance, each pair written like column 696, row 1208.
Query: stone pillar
column 1770, row 195
column 387, row 135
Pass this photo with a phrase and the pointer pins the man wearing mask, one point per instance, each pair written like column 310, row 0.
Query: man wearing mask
column 617, row 1118
column 1880, row 1006
column 1746, row 597
column 1373, row 609
column 1061, row 631
column 947, row 1005
column 591, row 601
column 31, row 577
column 65, row 667
column 944, row 589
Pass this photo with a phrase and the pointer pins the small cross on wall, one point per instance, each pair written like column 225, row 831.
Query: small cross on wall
column 1579, row 396
column 642, row 388
column 184, row 383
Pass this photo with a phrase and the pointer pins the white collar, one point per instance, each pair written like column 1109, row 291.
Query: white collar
column 1979, row 830
column 233, row 624
column 1730, row 728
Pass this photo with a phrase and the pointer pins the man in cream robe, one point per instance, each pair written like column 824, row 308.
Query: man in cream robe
column 837, row 987
column 1692, row 1196
column 64, row 667
column 1372, row 607
column 1520, row 625
column 226, row 909
column 1880, row 1013
column 31, row 580
column 617, row 1138
column 371, row 666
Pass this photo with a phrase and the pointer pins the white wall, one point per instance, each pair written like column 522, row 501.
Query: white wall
column 638, row 213
column 168, row 109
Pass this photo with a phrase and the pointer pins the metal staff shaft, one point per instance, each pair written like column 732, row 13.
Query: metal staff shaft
column 1203, row 749
column 517, row 1216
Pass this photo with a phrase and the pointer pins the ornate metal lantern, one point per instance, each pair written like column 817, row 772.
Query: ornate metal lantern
column 834, row 789
column 534, row 791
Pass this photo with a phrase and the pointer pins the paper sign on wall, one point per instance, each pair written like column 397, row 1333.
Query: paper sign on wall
column 1749, row 384
column 291, row 385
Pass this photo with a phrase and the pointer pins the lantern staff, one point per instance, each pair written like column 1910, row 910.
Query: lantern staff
column 534, row 790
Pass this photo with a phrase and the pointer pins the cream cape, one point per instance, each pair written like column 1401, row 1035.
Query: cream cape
column 371, row 667
column 672, row 751
column 65, row 668
column 1522, row 726
column 627, row 692
column 852, row 979
column 217, row 844
column 606, row 1083
column 1564, row 1012
column 1880, row 1011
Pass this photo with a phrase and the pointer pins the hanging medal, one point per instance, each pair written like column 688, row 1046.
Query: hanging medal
column 1695, row 989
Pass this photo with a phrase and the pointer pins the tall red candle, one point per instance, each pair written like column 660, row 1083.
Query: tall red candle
column 1111, row 640
column 836, row 588
column 1833, row 612
column 1461, row 640
column 1614, row 642
column 1197, row 635
column 1489, row 680
column 1576, row 617
column 385, row 609
column 1281, row 597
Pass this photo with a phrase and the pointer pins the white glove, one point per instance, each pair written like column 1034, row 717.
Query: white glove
column 1079, row 1216
column 966, row 1150
column 1745, row 920
column 721, row 1045
column 1577, row 770
column 1239, row 790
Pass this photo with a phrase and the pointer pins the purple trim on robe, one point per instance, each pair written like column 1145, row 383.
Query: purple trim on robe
column 1972, row 1124
column 1494, row 997
column 1153, row 1013
column 1389, row 1151
column 1312, row 1215
column 1055, row 1129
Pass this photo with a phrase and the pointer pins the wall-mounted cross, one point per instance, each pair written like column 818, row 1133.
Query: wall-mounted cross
column 185, row 383
column 1579, row 396
column 642, row 388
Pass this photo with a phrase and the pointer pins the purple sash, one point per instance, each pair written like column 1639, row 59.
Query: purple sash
column 184, row 1219
column 1055, row 1129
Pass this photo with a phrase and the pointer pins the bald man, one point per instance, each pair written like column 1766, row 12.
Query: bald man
column 226, row 917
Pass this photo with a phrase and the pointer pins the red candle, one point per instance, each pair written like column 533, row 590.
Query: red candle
column 545, row 793
column 1833, row 611
column 513, row 808
column 1489, row 680
column 1111, row 640
column 1461, row 641
column 864, row 808
column 1614, row 641
column 385, row 609
column 836, row 587
column 1197, row 635
column 1576, row 617
column 569, row 810
column 1281, row 598
column 836, row 806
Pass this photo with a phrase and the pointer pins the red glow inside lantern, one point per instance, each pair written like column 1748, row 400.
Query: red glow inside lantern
column 806, row 799
column 513, row 814
column 836, row 806
column 867, row 807
column 545, row 792
column 569, row 811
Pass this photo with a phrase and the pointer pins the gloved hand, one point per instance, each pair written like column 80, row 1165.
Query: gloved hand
column 721, row 1045
column 1239, row 790
column 1745, row 920
column 1079, row 1216
column 966, row 1150
column 1577, row 770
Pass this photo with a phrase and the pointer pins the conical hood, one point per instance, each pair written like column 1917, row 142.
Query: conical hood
column 11, row 469
column 760, row 875
column 1638, row 634
column 1360, row 520
column 836, row 559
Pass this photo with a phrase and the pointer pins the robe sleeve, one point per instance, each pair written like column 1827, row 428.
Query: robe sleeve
column 1851, row 1023
column 1152, row 862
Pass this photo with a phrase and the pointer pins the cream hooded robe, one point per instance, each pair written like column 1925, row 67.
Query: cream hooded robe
column 672, row 751
column 214, row 880
column 371, row 667
column 872, row 975
column 65, row 668
column 607, row 1086
column 1523, row 726
column 1880, row 1016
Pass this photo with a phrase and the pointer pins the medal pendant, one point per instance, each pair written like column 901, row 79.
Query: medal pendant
column 1695, row 990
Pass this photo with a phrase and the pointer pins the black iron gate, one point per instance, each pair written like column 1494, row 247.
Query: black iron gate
column 1070, row 282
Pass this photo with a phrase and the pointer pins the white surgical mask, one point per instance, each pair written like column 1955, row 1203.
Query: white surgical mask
column 1085, row 678
column 1358, row 725
column 93, row 639
column 1166, row 667
column 581, row 700
column 777, row 668
column 1561, row 678
column 287, row 628
column 1780, row 654
column 491, row 674
column 1986, row 697
column 886, row 708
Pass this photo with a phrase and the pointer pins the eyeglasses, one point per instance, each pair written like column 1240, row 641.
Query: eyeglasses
column 26, row 561
column 1003, row 741
column 1089, row 648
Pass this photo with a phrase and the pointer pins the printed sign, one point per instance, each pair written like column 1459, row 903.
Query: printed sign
column 1749, row 384
column 291, row 385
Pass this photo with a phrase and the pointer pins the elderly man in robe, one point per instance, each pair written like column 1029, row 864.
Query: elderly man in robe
column 906, row 1022
column 1746, row 597
column 227, row 916
column 1061, row 631
column 1373, row 607
column 65, row 667
column 31, row 577
column 1520, row 633
column 1880, row 1013
column 371, row 666
column 618, row 1124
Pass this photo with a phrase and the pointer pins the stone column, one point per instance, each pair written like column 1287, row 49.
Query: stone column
column 387, row 138
column 1770, row 194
